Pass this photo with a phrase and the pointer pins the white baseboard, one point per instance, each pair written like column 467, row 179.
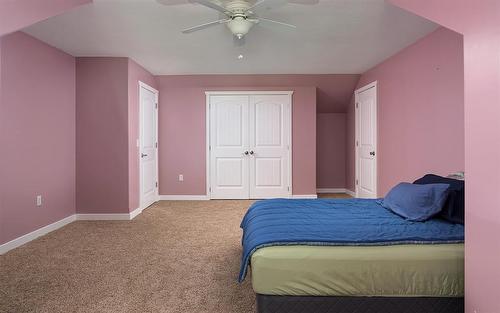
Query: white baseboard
column 103, row 217
column 351, row 193
column 304, row 197
column 65, row 221
column 35, row 234
column 331, row 190
column 108, row 216
column 184, row 197
column 134, row 213
column 336, row 190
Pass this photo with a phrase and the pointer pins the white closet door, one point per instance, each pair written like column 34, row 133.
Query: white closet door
column 228, row 143
column 366, row 141
column 270, row 129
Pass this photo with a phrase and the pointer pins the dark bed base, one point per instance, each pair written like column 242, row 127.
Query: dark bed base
column 295, row 304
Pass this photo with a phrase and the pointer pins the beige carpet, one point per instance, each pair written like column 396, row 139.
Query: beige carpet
column 174, row 257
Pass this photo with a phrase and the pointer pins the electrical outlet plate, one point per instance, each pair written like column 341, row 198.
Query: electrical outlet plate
column 39, row 200
column 181, row 177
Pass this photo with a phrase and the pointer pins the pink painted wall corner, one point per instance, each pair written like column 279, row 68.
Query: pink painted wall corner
column 37, row 135
column 420, row 111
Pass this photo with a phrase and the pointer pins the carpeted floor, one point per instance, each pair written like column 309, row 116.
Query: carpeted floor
column 174, row 257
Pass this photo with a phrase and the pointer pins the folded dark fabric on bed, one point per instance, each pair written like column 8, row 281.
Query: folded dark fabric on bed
column 335, row 222
column 454, row 208
column 416, row 202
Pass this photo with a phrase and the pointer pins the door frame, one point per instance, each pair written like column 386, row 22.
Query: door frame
column 138, row 142
column 208, row 94
column 356, row 135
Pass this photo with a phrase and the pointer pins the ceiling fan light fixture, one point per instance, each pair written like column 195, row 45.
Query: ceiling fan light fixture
column 239, row 26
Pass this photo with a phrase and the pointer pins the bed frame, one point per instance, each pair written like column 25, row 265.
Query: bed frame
column 298, row 304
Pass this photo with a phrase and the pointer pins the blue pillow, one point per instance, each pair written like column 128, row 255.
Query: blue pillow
column 454, row 208
column 416, row 202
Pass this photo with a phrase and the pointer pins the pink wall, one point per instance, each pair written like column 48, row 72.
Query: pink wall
column 37, row 135
column 17, row 14
column 350, row 149
column 333, row 90
column 479, row 21
column 107, row 130
column 136, row 73
column 102, row 144
column 331, row 150
column 182, row 129
column 420, row 110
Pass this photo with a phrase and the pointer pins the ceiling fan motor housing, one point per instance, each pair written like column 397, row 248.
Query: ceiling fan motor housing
column 239, row 24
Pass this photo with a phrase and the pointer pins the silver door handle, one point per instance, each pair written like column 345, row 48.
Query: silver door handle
column 143, row 155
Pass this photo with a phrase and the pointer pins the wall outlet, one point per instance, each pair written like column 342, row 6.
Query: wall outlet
column 181, row 177
column 39, row 200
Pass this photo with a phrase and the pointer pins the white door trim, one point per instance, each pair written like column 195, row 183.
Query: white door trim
column 356, row 136
column 157, row 93
column 208, row 94
column 249, row 93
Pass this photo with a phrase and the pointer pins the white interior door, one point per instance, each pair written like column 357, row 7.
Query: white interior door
column 229, row 147
column 366, row 142
column 270, row 120
column 148, row 145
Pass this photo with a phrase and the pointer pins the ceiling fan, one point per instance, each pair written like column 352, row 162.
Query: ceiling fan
column 239, row 15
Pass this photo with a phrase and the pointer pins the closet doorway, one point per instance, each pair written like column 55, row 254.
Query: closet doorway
column 249, row 145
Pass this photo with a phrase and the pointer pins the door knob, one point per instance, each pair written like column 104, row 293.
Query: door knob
column 143, row 155
column 372, row 153
column 251, row 152
column 246, row 152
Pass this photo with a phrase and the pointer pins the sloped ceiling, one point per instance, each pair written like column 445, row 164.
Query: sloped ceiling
column 333, row 37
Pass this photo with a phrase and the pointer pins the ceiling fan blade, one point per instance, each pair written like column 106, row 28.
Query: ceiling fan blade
column 239, row 42
column 305, row 2
column 266, row 20
column 212, row 5
column 173, row 2
column 203, row 26
column 264, row 5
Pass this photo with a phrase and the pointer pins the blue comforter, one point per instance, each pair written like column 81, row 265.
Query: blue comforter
column 335, row 222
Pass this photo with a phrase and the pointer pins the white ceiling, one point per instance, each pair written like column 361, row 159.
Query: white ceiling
column 334, row 36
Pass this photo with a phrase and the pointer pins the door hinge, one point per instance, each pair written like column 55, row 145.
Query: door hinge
column 288, row 188
column 357, row 182
column 156, row 184
column 357, row 105
column 156, row 145
column 156, row 105
column 210, row 189
column 357, row 143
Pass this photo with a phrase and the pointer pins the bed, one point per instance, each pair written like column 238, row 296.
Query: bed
column 350, row 255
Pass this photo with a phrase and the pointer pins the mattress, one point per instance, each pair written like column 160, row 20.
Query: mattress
column 335, row 222
column 391, row 271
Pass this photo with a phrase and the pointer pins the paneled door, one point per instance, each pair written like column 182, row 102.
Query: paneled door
column 229, row 147
column 269, row 146
column 249, row 145
column 148, row 145
column 366, row 141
